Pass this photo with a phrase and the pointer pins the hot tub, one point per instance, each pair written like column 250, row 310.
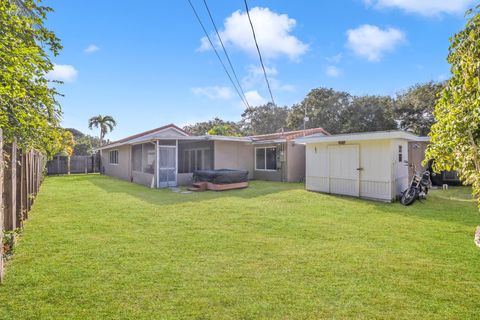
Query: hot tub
column 220, row 176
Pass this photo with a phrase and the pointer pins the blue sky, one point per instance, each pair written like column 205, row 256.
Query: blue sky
column 145, row 63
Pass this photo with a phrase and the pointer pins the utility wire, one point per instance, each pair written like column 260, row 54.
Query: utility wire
column 216, row 53
column 225, row 51
column 258, row 50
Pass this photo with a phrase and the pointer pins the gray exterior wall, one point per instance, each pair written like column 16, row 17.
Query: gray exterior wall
column 295, row 162
column 123, row 168
column 233, row 155
column 268, row 175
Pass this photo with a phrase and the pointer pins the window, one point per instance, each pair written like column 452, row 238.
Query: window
column 137, row 157
column 113, row 157
column 196, row 159
column 266, row 158
column 400, row 154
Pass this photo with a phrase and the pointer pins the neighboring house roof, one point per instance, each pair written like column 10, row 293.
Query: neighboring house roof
column 361, row 136
column 290, row 135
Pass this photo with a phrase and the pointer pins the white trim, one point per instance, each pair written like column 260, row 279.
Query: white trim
column 175, row 147
column 361, row 136
column 255, row 159
column 176, row 162
column 109, row 157
column 157, row 164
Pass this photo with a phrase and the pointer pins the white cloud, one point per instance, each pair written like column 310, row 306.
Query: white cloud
column 91, row 49
column 273, row 33
column 335, row 59
column 254, row 98
column 424, row 7
column 63, row 72
column 371, row 42
column 214, row 92
column 332, row 71
column 256, row 78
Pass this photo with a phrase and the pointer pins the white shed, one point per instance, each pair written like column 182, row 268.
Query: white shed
column 369, row 165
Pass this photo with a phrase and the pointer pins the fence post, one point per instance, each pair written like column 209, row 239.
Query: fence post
column 10, row 187
column 24, row 185
column 1, row 206
column 30, row 180
column 19, row 183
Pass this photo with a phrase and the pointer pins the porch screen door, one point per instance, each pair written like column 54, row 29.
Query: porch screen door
column 167, row 166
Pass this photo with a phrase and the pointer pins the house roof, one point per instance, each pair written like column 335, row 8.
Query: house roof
column 361, row 136
column 156, row 134
column 290, row 135
column 143, row 134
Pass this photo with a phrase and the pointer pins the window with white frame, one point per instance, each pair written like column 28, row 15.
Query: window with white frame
column 113, row 157
column 266, row 158
column 400, row 153
column 196, row 159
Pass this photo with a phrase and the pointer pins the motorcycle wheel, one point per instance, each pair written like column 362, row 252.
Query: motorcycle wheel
column 409, row 196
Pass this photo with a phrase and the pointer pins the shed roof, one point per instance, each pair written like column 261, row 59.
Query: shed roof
column 361, row 136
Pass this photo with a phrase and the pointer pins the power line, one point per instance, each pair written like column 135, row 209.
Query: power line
column 216, row 53
column 258, row 50
column 225, row 51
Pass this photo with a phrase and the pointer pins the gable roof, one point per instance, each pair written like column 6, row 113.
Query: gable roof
column 145, row 133
column 290, row 135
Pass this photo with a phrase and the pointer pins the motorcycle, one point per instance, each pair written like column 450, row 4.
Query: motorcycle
column 418, row 188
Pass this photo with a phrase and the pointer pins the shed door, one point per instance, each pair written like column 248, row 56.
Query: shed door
column 344, row 171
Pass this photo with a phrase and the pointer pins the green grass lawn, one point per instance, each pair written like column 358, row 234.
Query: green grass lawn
column 100, row 248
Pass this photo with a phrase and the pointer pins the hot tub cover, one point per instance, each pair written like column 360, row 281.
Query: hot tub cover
column 220, row 176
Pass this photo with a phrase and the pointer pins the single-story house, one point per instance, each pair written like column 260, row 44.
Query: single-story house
column 370, row 165
column 167, row 156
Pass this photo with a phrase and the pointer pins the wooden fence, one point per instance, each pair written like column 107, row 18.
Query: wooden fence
column 78, row 164
column 21, row 174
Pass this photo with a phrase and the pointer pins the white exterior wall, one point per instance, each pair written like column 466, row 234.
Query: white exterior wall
column 400, row 168
column 380, row 177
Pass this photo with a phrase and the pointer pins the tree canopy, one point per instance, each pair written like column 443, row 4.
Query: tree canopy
column 323, row 107
column 368, row 113
column 201, row 128
column 455, row 136
column 105, row 123
column 29, row 110
column 414, row 107
column 264, row 119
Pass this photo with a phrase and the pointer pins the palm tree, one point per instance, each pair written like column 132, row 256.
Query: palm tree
column 105, row 123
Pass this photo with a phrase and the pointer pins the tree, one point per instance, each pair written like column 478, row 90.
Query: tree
column 84, row 144
column 223, row 130
column 264, row 119
column 201, row 128
column 455, row 136
column 323, row 108
column 414, row 107
column 29, row 110
column 368, row 113
column 105, row 123
column 68, row 142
